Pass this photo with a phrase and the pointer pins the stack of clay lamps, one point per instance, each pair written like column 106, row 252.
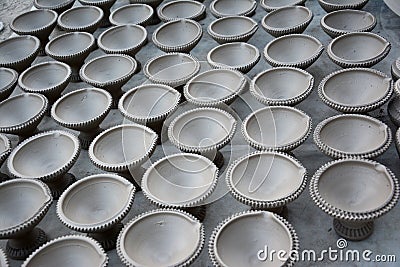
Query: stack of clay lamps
column 109, row 72
column 181, row 9
column 232, row 29
column 167, row 238
column 203, row 131
column 24, row 113
column 266, row 180
column 278, row 128
column 71, row 48
column 238, row 240
column 149, row 105
column 8, row 81
column 182, row 181
column 134, row 14
column 24, row 203
column 80, row 19
column 354, row 192
column 123, row 149
column 39, row 23
column 5, row 150
column 47, row 156
column 67, row 251
column 237, row 56
column 83, row 110
column 333, row 5
column 58, row 6
column 215, row 87
column 271, row 5
column 293, row 50
column 96, row 205
column 224, row 8
column 105, row 5
column 19, row 52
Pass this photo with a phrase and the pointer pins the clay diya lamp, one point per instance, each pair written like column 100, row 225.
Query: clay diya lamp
column 47, row 78
column 333, row 5
column 278, row 128
column 203, row 131
column 25, row 112
column 81, row 19
column 266, row 180
column 357, row 90
column 215, row 87
column 19, row 52
column 271, row 88
column 105, row 5
column 182, row 181
column 58, row 6
column 232, row 29
column 57, row 252
column 83, row 110
column 181, row 9
column 8, row 81
column 178, row 35
column 5, row 150
column 257, row 231
column 352, row 135
column 358, row 49
column 158, row 230
column 287, row 20
column 47, row 156
column 137, row 14
column 149, row 105
column 109, row 72
column 3, row 259
column 271, row 5
column 395, row 69
column 354, row 192
column 123, row 149
column 224, row 8
column 24, row 203
column 85, row 207
column 39, row 23
column 293, row 50
column 348, row 20
column 173, row 69
column 237, row 56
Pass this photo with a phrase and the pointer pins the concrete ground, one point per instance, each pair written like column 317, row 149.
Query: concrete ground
column 313, row 226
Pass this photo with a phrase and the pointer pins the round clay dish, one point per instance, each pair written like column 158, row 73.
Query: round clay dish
column 81, row 19
column 181, row 9
column 232, row 29
column 224, row 8
column 19, row 52
column 8, row 81
column 333, row 5
column 271, row 5
column 58, row 6
column 39, row 22
column 137, row 14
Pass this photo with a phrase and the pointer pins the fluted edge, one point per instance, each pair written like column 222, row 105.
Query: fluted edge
column 222, row 39
column 58, row 7
column 48, row 27
column 143, row 23
column 328, row 7
column 27, row 60
column 86, row 28
column 7, row 151
column 3, row 259
column 197, row 16
column 270, row 8
column 248, row 13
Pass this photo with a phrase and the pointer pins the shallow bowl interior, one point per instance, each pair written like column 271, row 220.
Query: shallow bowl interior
column 177, row 33
column 172, row 67
column 234, row 54
column 287, row 17
column 44, row 76
column 15, row 49
column 34, row 20
column 123, row 37
column 232, row 26
column 80, row 17
column 108, row 68
column 70, row 43
column 131, row 14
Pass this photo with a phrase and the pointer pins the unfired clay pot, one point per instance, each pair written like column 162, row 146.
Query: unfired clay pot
column 351, row 135
column 168, row 238
column 393, row 110
column 224, row 8
column 39, row 23
column 395, row 69
column 109, row 72
column 173, row 69
column 8, row 81
column 83, row 110
column 238, row 56
column 232, row 29
column 96, row 205
column 358, row 49
column 47, row 156
column 19, row 52
column 240, row 239
column 356, row 90
column 203, row 131
column 294, row 50
column 270, row 87
column 181, row 9
column 287, row 20
column 5, row 150
column 333, row 5
column 71, row 48
column 178, row 35
column 81, row 19
column 354, row 192
column 215, row 87
column 47, row 78
column 266, row 180
column 138, row 14
column 278, row 128
column 58, row 6
column 105, row 5
column 24, row 113
column 348, row 20
column 271, row 5
column 24, row 203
